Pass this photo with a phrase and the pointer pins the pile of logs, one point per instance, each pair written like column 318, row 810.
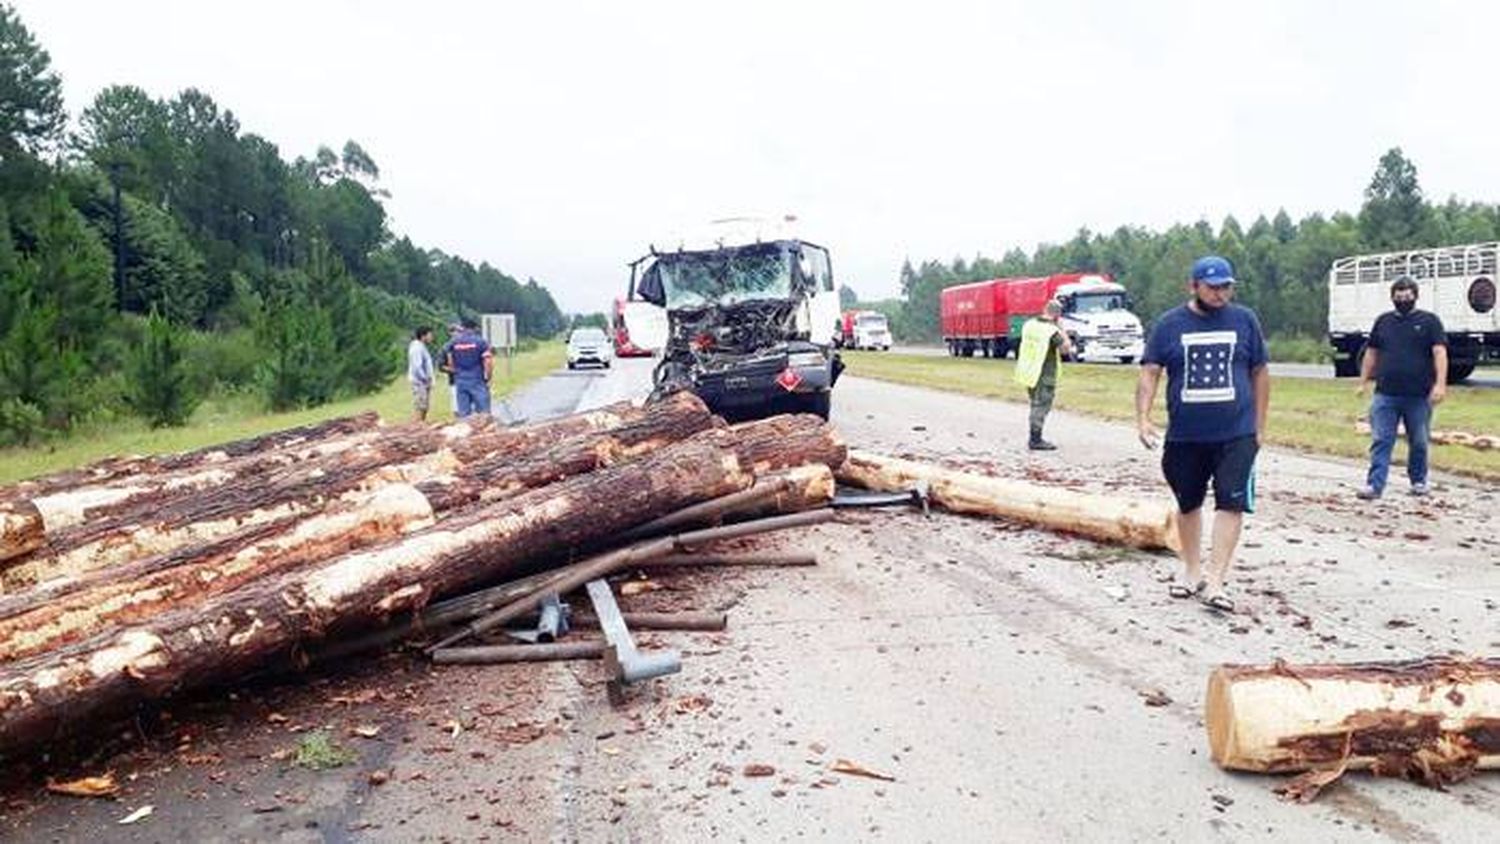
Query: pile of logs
column 135, row 578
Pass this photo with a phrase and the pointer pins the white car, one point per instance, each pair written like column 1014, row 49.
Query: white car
column 589, row 345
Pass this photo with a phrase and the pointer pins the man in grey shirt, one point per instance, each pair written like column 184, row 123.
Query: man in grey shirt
column 419, row 372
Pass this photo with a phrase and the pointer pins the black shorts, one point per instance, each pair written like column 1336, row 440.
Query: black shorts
column 1188, row 468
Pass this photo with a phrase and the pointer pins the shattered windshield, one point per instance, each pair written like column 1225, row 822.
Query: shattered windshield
column 752, row 273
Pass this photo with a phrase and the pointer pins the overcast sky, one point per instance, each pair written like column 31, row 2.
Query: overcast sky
column 557, row 139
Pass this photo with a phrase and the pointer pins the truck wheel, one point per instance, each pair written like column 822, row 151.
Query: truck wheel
column 1127, row 359
column 817, row 403
column 1345, row 368
column 1459, row 372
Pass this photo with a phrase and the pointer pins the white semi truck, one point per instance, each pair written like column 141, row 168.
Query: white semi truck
column 1457, row 283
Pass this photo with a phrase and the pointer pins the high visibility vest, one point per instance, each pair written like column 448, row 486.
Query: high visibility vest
column 1036, row 339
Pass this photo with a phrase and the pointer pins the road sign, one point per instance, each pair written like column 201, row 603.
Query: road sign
column 499, row 330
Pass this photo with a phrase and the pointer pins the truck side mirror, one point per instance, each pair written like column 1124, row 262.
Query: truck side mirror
column 651, row 289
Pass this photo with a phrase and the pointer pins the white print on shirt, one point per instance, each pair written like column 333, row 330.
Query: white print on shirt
column 1206, row 373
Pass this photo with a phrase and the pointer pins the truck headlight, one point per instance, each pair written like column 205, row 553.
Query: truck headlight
column 806, row 359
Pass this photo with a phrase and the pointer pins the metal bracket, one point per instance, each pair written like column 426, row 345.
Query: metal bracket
column 625, row 664
column 553, row 621
column 917, row 496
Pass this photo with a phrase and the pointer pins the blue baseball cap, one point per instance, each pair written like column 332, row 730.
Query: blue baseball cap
column 1213, row 271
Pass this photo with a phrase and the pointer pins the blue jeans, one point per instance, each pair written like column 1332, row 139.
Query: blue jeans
column 473, row 397
column 1385, row 412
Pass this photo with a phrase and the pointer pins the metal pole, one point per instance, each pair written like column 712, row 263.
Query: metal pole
column 710, row 510
column 709, row 621
column 520, row 653
column 689, row 560
column 607, row 564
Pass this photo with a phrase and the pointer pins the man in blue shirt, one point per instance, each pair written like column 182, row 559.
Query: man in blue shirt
column 1218, row 391
column 470, row 360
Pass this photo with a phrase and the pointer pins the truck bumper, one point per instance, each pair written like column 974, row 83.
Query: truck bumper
column 1112, row 350
column 757, row 385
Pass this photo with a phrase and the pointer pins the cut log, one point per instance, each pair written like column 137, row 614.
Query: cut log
column 498, row 441
column 111, row 468
column 27, row 524
column 151, row 526
column 549, row 459
column 782, row 442
column 273, row 617
column 1432, row 719
column 69, row 610
column 799, row 488
column 1139, row 523
column 146, row 525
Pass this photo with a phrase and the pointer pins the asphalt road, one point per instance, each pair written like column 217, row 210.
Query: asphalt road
column 1486, row 377
column 995, row 675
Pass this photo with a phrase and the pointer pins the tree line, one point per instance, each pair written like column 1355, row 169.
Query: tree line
column 153, row 252
column 1281, row 265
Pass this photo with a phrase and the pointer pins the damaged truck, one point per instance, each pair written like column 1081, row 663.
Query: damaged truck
column 741, row 313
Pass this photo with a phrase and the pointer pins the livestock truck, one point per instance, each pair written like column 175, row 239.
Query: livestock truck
column 863, row 330
column 1457, row 283
column 986, row 316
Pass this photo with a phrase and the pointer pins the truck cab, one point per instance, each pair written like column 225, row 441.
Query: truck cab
column 871, row 331
column 1097, row 317
column 747, row 314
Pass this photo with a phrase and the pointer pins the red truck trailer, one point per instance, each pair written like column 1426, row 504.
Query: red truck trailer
column 986, row 316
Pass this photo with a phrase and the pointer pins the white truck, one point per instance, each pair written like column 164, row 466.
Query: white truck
column 863, row 330
column 1457, row 283
column 747, row 303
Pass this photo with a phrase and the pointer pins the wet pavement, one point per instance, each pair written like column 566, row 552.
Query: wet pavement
column 996, row 678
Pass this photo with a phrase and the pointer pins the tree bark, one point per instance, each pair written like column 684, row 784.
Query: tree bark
column 146, row 526
column 782, row 442
column 26, row 524
column 498, row 441
column 111, row 468
column 273, row 617
column 155, row 519
column 532, row 461
column 1431, row 719
column 68, row 610
column 1108, row 518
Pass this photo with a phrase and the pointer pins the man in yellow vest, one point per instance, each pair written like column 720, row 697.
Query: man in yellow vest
column 1042, row 346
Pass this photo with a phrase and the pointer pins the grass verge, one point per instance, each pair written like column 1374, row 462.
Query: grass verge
column 225, row 418
column 1306, row 413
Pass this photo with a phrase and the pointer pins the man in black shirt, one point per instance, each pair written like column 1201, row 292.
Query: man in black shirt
column 1408, row 357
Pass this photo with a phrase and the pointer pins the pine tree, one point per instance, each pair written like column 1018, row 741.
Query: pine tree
column 161, row 388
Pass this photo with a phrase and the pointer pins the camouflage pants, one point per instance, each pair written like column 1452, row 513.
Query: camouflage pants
column 1041, row 404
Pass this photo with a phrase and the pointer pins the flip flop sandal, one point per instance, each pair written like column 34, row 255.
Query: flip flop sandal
column 1178, row 589
column 1219, row 602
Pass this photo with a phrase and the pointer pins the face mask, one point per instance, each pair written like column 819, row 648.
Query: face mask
column 1208, row 307
column 1404, row 306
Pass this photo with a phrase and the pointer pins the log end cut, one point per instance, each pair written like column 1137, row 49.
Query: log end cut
column 1431, row 719
column 21, row 530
